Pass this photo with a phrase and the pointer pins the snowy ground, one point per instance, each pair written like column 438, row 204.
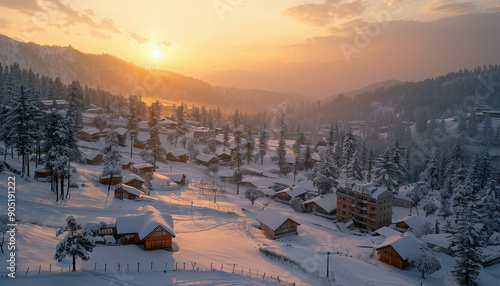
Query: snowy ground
column 206, row 235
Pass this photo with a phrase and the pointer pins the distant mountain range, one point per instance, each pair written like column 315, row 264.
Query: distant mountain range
column 120, row 77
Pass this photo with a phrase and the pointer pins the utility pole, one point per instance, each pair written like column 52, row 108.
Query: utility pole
column 328, row 264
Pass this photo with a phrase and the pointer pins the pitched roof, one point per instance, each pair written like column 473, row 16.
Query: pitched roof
column 222, row 150
column 131, row 190
column 145, row 222
column 90, row 131
column 143, row 165
column 205, row 157
column 131, row 177
column 272, row 218
column 226, row 173
column 443, row 240
column 257, row 182
column 179, row 152
column 295, row 192
column 121, row 131
column 160, row 180
column 403, row 245
column 413, row 221
column 177, row 177
column 327, row 202
column 387, row 231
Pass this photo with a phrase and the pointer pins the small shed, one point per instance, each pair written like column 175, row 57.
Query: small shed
column 139, row 144
column 256, row 182
column 396, row 250
column 161, row 183
column 127, row 192
column 90, row 135
column 122, row 134
column 206, row 159
column 325, row 204
column 223, row 153
column 401, row 201
column 287, row 195
column 275, row 224
column 442, row 240
column 42, row 175
column 145, row 167
column 227, row 176
column 410, row 222
column 106, row 179
column 148, row 227
column 133, row 180
column 267, row 192
column 94, row 157
column 178, row 178
column 178, row 155
column 127, row 166
column 387, row 231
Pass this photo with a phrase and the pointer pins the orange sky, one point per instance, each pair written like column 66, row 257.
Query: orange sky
column 196, row 36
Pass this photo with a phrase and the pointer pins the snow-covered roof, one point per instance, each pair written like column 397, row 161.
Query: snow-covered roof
column 222, row 150
column 50, row 102
column 132, row 190
column 413, row 222
column 121, row 131
column 294, row 192
column 143, row 165
column 443, row 240
column 401, row 197
column 179, row 152
column 254, row 170
column 367, row 189
column 91, row 154
column 257, row 182
column 290, row 158
column 147, row 220
column 327, row 202
column 176, row 177
column 131, row 177
column 267, row 191
column 226, row 173
column 403, row 245
column 387, row 231
column 90, row 131
column 272, row 218
column 160, row 180
column 205, row 157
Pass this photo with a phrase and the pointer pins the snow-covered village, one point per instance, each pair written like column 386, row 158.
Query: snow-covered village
column 245, row 157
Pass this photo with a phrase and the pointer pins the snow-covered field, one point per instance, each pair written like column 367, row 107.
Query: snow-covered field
column 206, row 234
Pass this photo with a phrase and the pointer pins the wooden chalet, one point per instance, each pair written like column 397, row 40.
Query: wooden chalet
column 145, row 167
column 206, row 159
column 106, row 179
column 178, row 155
column 161, row 183
column 396, row 250
column 58, row 104
column 223, row 154
column 324, row 204
column 127, row 192
column 41, row 174
column 90, row 135
column 133, row 180
column 443, row 241
column 178, row 178
column 149, row 227
column 410, row 222
column 168, row 124
column 255, row 182
column 288, row 194
column 139, row 144
column 275, row 224
column 97, row 110
column 122, row 133
column 127, row 166
column 201, row 134
column 94, row 157
column 266, row 192
column 227, row 176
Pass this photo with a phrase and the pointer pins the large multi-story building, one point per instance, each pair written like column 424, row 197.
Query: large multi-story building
column 370, row 207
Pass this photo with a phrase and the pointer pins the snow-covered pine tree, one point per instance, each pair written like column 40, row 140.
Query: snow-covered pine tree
column 297, row 204
column 369, row 167
column 77, row 243
column 249, row 146
column 237, row 157
column 252, row 194
column 430, row 174
column 76, row 102
column 132, row 125
column 489, row 207
column 181, row 128
column 263, row 137
column 348, row 148
column 112, row 157
column 236, row 119
column 153, row 144
column 57, row 90
column 280, row 157
column 472, row 124
column 308, row 162
column 469, row 240
column 353, row 169
column 225, row 133
column 333, row 135
column 283, row 127
column 324, row 174
column 388, row 172
column 461, row 195
column 488, row 134
column 192, row 149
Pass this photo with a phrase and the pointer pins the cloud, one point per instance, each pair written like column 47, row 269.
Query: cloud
column 166, row 44
column 4, row 23
column 89, row 12
column 348, row 28
column 450, row 7
column 140, row 40
column 28, row 7
column 146, row 41
column 97, row 34
column 323, row 14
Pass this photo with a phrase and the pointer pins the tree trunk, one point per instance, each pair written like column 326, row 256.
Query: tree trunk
column 56, row 188
column 23, row 163
column 423, row 275
column 28, row 165
column 109, row 185
column 131, row 145
column 74, row 263
column 62, row 188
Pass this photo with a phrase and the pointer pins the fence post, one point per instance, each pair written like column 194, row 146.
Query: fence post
column 69, row 269
column 127, row 266
column 211, row 268
column 118, row 267
column 39, row 269
column 176, row 266
column 234, row 265
column 50, row 268
column 221, row 266
column 95, row 266
column 264, row 276
column 105, row 266
column 194, row 265
column 184, row 265
column 151, row 265
column 165, row 270
column 27, row 270
column 137, row 266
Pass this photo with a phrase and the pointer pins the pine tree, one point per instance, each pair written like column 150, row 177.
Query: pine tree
column 263, row 137
column 112, row 156
column 77, row 243
column 237, row 157
column 283, row 127
column 308, row 162
column 430, row 175
column 348, row 148
column 57, row 90
column 249, row 147
column 280, row 157
column 236, row 119
column 132, row 125
column 153, row 144
column 386, row 172
column 324, row 173
column 354, row 169
column 488, row 135
column 225, row 132
column 76, row 102
column 472, row 124
column 181, row 128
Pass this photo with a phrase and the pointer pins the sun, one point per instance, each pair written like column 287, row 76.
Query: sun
column 156, row 53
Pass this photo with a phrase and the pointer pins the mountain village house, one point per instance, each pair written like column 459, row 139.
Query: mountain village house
column 206, row 159
column 179, row 155
column 324, row 204
column 94, row 157
column 396, row 250
column 178, row 178
column 368, row 206
column 127, row 192
column 275, row 224
column 133, row 180
column 287, row 195
column 413, row 222
column 149, row 227
column 145, row 167
column 90, row 135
